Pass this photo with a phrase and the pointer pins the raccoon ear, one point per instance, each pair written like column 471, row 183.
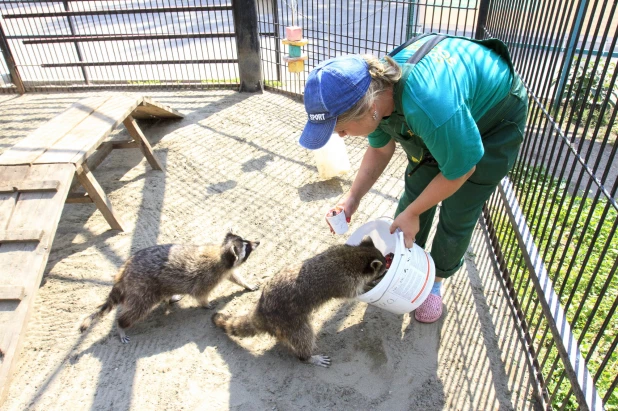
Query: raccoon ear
column 375, row 266
column 367, row 242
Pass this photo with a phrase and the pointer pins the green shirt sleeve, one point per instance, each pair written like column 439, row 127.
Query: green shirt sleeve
column 378, row 138
column 456, row 145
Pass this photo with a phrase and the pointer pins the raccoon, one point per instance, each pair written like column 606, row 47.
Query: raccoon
column 157, row 273
column 287, row 301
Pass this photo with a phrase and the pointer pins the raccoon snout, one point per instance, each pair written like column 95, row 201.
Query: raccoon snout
column 249, row 247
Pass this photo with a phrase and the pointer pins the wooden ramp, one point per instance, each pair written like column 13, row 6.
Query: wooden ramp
column 29, row 216
column 36, row 176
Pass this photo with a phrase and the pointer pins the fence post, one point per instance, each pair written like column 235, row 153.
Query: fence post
column 412, row 18
column 10, row 62
column 571, row 48
column 78, row 50
column 248, row 45
column 482, row 19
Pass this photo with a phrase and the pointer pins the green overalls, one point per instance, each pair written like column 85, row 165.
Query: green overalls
column 501, row 129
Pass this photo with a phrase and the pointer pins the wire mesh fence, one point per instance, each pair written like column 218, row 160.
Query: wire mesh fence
column 553, row 223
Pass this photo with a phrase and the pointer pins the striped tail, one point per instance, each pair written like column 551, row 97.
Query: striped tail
column 113, row 299
column 241, row 326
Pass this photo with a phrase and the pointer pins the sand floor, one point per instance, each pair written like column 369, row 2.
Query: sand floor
column 234, row 162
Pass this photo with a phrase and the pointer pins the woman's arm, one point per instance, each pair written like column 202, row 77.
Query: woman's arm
column 373, row 164
column 437, row 190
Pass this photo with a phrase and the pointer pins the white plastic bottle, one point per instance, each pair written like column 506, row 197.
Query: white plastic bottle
column 332, row 159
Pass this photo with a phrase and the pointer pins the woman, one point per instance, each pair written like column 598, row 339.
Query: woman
column 458, row 110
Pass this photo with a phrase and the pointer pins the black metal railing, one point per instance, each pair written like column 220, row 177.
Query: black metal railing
column 69, row 44
column 554, row 221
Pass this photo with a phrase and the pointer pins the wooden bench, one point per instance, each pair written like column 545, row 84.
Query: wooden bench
column 36, row 176
column 74, row 135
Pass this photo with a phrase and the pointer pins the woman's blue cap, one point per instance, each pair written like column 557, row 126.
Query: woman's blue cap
column 332, row 88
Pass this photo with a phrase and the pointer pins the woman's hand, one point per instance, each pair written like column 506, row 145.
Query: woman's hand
column 374, row 162
column 349, row 204
column 409, row 224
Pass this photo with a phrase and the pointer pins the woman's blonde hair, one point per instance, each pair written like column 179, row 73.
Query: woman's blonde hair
column 384, row 74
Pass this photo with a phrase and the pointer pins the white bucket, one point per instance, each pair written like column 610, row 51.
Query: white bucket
column 410, row 277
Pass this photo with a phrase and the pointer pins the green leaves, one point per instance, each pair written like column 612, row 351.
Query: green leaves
column 589, row 86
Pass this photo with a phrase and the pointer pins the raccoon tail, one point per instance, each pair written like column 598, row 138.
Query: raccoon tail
column 242, row 326
column 113, row 299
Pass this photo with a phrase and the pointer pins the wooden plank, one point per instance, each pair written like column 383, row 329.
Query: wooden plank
column 20, row 236
column 144, row 145
column 22, row 186
column 8, row 200
column 7, row 205
column 23, row 264
column 125, row 144
column 12, row 292
column 84, row 139
column 150, row 108
column 28, row 150
column 98, row 196
column 11, row 330
column 81, row 198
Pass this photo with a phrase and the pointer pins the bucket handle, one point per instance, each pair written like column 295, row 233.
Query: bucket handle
column 401, row 244
column 401, row 241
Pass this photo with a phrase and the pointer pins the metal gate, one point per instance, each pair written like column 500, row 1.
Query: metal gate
column 68, row 44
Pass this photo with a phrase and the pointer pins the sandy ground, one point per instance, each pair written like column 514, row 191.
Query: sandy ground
column 234, row 161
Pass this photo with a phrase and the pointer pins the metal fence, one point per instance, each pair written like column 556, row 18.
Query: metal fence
column 336, row 27
column 553, row 222
column 67, row 44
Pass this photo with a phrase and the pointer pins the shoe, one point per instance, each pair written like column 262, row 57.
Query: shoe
column 431, row 309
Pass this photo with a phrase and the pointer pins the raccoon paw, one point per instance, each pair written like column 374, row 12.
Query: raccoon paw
column 124, row 339
column 252, row 287
column 321, row 360
column 208, row 306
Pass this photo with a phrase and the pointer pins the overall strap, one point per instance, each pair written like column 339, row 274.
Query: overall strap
column 407, row 43
column 409, row 65
column 425, row 48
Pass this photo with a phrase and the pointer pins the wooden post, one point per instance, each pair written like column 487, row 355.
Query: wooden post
column 248, row 45
column 98, row 196
column 144, row 145
column 10, row 62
